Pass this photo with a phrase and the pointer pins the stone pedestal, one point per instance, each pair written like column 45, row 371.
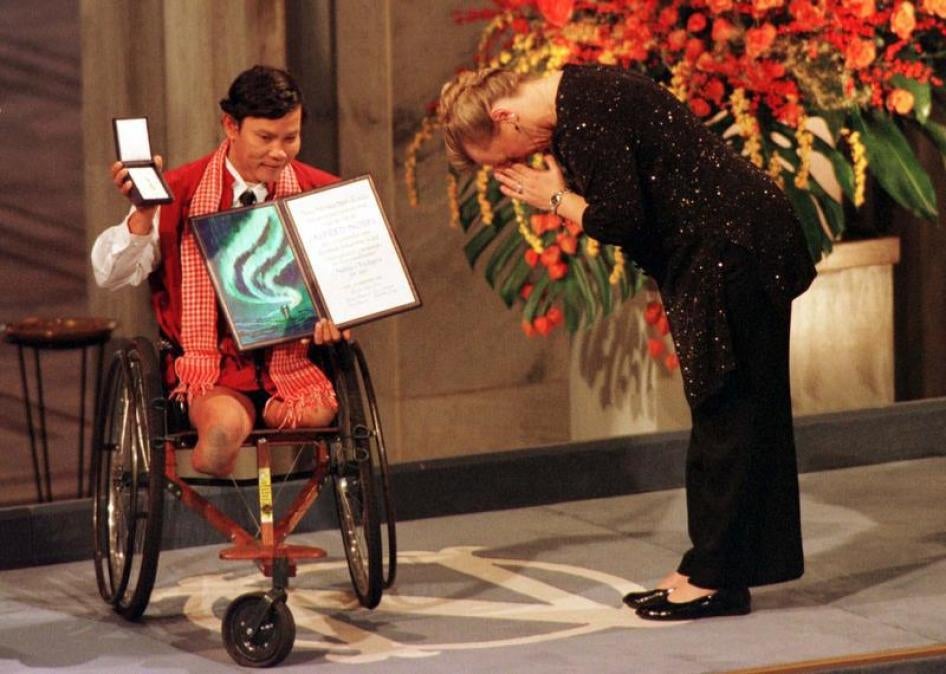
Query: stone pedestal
column 841, row 353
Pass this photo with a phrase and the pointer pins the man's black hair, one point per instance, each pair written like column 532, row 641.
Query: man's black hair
column 262, row 91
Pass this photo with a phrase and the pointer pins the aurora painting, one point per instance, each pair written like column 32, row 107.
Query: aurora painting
column 256, row 275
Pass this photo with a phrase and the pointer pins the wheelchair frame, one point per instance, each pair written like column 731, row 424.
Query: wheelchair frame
column 134, row 463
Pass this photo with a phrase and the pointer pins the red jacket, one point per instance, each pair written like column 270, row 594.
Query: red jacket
column 237, row 370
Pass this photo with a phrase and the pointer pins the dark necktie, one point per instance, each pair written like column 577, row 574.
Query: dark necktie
column 248, row 198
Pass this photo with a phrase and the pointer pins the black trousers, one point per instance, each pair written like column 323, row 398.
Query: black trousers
column 741, row 471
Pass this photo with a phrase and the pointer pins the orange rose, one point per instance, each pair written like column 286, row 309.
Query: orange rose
column 667, row 17
column 762, row 6
column 532, row 258
column 758, row 40
column 694, row 48
column 719, row 6
column 903, row 20
column 862, row 9
column 556, row 12
column 655, row 346
column 723, row 30
column 937, row 7
column 677, row 39
column 671, row 361
column 528, row 329
column 859, row 54
column 900, row 101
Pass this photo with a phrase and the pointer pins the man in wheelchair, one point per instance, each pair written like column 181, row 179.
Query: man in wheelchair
column 227, row 391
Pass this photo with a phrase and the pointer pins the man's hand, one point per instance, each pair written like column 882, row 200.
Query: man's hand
column 139, row 222
column 326, row 333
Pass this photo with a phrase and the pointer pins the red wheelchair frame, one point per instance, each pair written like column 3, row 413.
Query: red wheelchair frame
column 134, row 462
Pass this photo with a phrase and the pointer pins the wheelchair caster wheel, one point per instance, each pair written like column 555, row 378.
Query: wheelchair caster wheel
column 258, row 631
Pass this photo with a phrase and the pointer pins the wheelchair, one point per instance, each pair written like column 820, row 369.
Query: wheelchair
column 139, row 452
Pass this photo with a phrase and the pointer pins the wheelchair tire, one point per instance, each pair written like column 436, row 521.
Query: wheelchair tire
column 354, row 480
column 258, row 631
column 128, row 477
column 379, row 459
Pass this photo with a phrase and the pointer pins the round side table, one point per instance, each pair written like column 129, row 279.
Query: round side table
column 56, row 334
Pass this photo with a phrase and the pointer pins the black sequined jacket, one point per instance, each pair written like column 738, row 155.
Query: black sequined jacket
column 674, row 196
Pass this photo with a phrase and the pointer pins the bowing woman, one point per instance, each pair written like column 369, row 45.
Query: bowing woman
column 636, row 169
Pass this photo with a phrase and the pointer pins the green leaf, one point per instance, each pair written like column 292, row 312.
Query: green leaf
column 922, row 96
column 502, row 255
column 843, row 171
column 532, row 304
column 584, row 286
column 937, row 133
column 481, row 240
column 600, row 271
column 510, row 290
column 572, row 304
column 811, row 223
column 895, row 166
column 834, row 119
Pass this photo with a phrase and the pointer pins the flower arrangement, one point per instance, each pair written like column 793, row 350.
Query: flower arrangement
column 818, row 93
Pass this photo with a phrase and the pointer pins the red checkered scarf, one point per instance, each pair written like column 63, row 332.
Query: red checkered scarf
column 299, row 383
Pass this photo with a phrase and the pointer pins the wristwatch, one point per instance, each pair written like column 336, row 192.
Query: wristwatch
column 556, row 200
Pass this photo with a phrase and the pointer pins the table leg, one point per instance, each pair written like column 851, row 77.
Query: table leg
column 29, row 422
column 41, row 417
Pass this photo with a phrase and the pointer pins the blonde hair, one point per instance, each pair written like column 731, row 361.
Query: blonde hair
column 464, row 109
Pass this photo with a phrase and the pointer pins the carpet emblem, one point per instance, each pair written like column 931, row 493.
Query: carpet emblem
column 521, row 601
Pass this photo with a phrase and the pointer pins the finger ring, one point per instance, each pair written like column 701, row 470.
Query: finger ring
column 519, row 188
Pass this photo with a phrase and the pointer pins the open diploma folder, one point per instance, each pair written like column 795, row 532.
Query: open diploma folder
column 281, row 265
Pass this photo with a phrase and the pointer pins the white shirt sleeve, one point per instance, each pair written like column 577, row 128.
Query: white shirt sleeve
column 120, row 258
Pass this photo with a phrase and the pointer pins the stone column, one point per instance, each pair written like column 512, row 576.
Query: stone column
column 170, row 61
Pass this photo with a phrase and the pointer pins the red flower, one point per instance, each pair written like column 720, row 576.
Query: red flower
column 556, row 12
column 723, row 30
column 542, row 325
column 696, row 23
column 671, row 362
column 663, row 325
column 652, row 313
column 555, row 316
column 677, row 40
column 719, row 6
column 573, row 228
column 568, row 243
column 758, row 40
column 551, row 255
column 699, row 107
column 532, row 258
column 694, row 48
column 667, row 18
column 525, row 290
column 655, row 347
column 558, row 270
column 714, row 90
column 527, row 328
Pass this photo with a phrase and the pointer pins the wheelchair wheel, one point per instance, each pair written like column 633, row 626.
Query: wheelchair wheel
column 258, row 631
column 354, row 478
column 379, row 459
column 128, row 478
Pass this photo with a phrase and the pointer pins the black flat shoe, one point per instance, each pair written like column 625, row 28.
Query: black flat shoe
column 723, row 602
column 637, row 599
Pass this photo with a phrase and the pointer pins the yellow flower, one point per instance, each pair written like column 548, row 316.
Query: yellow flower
column 486, row 208
column 410, row 162
column 592, row 247
column 805, row 138
column 859, row 159
column 453, row 199
column 748, row 127
column 534, row 241
column 617, row 273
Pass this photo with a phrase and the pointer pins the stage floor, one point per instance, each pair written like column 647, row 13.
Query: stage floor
column 529, row 590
